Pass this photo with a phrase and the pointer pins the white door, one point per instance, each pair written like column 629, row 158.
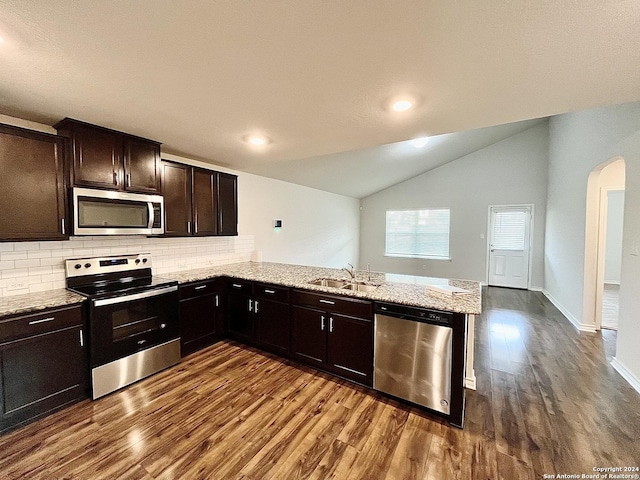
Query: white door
column 509, row 246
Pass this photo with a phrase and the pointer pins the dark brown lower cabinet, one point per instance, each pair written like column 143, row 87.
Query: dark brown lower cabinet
column 44, row 369
column 334, row 342
column 240, row 315
column 200, row 315
column 309, row 339
column 271, row 308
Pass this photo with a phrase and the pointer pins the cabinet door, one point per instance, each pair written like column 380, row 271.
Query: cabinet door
column 309, row 339
column 32, row 201
column 176, row 189
column 350, row 348
column 240, row 319
column 227, row 204
column 273, row 326
column 199, row 324
column 205, row 208
column 41, row 374
column 141, row 165
column 97, row 158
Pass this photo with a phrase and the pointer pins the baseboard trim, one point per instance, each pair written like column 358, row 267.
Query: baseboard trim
column 573, row 320
column 626, row 374
column 536, row 289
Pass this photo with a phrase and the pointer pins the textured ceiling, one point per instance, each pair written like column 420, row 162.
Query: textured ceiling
column 315, row 76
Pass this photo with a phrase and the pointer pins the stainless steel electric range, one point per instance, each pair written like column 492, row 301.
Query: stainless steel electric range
column 132, row 318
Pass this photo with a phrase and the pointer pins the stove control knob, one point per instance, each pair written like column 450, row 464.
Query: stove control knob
column 137, row 261
column 77, row 266
column 144, row 260
column 87, row 265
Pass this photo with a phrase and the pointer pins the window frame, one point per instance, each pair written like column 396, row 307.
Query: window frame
column 416, row 255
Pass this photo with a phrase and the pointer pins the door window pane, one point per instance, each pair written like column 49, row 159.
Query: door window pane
column 509, row 230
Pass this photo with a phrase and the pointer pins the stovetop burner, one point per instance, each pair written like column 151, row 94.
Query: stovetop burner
column 113, row 275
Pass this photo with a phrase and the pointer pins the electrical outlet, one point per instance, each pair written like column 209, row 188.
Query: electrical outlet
column 17, row 286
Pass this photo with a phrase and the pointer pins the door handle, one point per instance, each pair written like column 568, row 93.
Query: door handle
column 250, row 305
column 255, row 309
column 322, row 323
column 330, row 324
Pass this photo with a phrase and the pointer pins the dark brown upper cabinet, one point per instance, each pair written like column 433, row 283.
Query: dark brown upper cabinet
column 103, row 158
column 198, row 201
column 32, row 202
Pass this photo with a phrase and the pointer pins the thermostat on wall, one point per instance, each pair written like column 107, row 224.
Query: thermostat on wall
column 277, row 224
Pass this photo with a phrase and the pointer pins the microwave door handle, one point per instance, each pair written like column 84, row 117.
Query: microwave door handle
column 135, row 296
column 150, row 207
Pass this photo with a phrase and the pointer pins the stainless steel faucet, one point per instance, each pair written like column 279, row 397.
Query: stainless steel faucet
column 351, row 271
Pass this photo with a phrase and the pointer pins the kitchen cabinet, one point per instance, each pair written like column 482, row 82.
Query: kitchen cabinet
column 240, row 314
column 271, row 308
column 43, row 364
column 103, row 158
column 333, row 333
column 198, row 202
column 32, row 185
column 201, row 320
column 227, row 204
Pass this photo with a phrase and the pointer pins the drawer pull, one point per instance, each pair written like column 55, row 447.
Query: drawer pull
column 236, row 285
column 269, row 291
column 35, row 322
column 330, row 302
column 141, row 342
column 200, row 287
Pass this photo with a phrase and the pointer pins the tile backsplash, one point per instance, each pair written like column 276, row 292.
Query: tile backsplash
column 28, row 267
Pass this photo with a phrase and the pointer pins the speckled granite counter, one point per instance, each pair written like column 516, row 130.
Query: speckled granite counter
column 402, row 289
column 33, row 302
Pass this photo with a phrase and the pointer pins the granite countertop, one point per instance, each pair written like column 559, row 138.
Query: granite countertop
column 33, row 302
column 402, row 289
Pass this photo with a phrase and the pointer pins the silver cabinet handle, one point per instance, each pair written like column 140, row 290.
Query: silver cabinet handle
column 141, row 342
column 256, row 307
column 330, row 324
column 322, row 300
column 269, row 291
column 322, row 322
column 250, row 305
column 35, row 322
column 81, row 339
column 217, row 301
column 236, row 285
column 188, row 227
column 200, row 287
column 63, row 227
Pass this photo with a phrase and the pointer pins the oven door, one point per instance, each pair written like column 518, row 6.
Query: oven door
column 123, row 325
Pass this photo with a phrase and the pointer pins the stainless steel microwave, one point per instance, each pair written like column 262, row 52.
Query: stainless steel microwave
column 104, row 212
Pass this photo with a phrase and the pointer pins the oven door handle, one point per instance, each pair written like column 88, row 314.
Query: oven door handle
column 135, row 296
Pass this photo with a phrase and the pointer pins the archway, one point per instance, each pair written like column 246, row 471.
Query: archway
column 608, row 175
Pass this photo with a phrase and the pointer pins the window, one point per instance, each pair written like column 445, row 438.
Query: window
column 418, row 233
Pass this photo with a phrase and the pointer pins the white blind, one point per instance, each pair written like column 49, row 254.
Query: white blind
column 417, row 233
column 509, row 230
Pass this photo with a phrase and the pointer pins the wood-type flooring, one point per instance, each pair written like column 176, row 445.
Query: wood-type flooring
column 547, row 402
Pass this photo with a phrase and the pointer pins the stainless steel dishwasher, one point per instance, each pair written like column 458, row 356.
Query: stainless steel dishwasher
column 413, row 355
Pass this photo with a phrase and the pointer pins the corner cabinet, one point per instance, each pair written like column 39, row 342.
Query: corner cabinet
column 43, row 364
column 198, row 202
column 32, row 185
column 103, row 158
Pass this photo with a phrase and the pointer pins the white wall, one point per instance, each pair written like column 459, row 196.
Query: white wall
column 319, row 228
column 578, row 142
column 513, row 171
column 613, row 250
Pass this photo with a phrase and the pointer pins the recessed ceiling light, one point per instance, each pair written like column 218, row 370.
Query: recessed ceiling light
column 257, row 140
column 420, row 142
column 402, row 105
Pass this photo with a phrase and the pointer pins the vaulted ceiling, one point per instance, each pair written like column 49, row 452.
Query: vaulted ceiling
column 317, row 77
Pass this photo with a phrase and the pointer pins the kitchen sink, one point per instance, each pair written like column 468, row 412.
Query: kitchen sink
column 329, row 282
column 344, row 284
column 360, row 287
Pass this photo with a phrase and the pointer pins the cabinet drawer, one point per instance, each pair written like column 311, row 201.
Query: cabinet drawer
column 196, row 289
column 332, row 303
column 269, row 292
column 48, row 321
column 240, row 286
